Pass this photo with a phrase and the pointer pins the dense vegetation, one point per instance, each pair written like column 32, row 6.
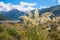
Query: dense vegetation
column 34, row 27
column 2, row 17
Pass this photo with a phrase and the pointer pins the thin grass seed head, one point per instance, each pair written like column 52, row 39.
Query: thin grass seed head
column 36, row 14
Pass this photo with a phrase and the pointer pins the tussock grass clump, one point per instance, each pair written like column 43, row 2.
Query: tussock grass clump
column 41, row 27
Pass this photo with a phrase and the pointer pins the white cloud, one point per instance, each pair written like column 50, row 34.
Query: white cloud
column 44, row 7
column 4, row 6
column 27, row 4
column 58, row 1
column 23, row 6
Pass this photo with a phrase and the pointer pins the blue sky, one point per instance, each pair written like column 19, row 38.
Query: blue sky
column 39, row 3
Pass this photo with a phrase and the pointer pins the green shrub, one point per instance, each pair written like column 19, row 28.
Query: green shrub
column 14, row 33
column 1, row 29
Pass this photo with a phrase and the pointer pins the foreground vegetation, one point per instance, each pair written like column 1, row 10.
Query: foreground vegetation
column 34, row 27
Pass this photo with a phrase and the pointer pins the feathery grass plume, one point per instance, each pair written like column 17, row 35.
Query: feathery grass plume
column 57, row 18
column 36, row 18
column 29, row 19
column 25, row 19
column 45, row 17
column 56, row 21
column 30, row 14
column 36, row 14
column 47, row 14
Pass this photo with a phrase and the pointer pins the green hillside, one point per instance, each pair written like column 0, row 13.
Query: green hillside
column 2, row 17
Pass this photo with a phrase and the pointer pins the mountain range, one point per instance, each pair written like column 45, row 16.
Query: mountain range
column 14, row 14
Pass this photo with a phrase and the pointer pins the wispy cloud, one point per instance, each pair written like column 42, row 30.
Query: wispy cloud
column 23, row 6
column 44, row 7
column 27, row 4
column 58, row 2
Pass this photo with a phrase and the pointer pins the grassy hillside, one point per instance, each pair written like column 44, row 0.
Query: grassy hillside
column 2, row 17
